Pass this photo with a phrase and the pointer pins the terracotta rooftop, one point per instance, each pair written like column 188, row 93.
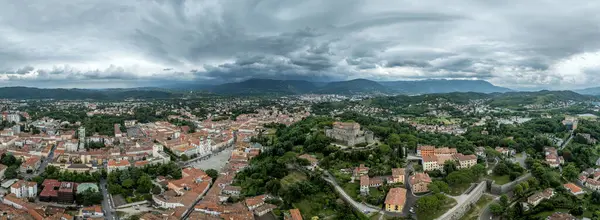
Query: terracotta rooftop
column 573, row 188
column 398, row 171
column 420, row 177
column 295, row 214
column 396, row 196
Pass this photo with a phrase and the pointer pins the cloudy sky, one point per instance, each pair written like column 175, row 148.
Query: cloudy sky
column 116, row 43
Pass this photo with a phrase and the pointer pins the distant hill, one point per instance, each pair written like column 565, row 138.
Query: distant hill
column 264, row 86
column 589, row 91
column 537, row 98
column 70, row 94
column 355, row 86
column 443, row 86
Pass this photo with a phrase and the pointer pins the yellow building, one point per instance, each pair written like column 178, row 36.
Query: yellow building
column 395, row 199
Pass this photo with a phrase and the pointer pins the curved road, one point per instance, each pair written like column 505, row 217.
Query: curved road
column 359, row 206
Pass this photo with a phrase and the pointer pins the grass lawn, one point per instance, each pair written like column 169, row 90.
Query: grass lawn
column 475, row 211
column 375, row 192
column 500, row 180
column 312, row 207
column 292, row 178
column 448, row 204
column 352, row 189
column 458, row 190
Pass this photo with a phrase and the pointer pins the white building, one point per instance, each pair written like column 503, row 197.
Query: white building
column 16, row 118
column 23, row 189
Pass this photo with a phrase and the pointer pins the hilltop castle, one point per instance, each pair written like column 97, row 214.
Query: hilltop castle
column 349, row 133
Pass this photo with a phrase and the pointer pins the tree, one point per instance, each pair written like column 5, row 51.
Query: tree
column 385, row 149
column 496, row 209
column 504, row 200
column 184, row 157
column 144, row 184
column 501, row 169
column 439, row 186
column 519, row 190
column 11, row 172
column 449, row 166
column 128, row 183
column 273, row 186
column 156, row 190
column 570, row 172
column 212, row 173
column 89, row 197
column 8, row 159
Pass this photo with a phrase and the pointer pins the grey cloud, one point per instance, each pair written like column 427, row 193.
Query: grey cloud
column 225, row 40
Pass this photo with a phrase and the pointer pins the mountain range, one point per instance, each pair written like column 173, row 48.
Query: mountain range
column 275, row 87
column 355, row 86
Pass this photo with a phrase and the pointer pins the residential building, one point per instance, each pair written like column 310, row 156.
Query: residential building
column 92, row 212
column 444, row 151
column 232, row 190
column 31, row 164
column 254, row 202
column 425, row 150
column 117, row 165
column 503, row 150
column 366, row 183
column 22, row 189
column 395, row 199
column 536, row 198
column 397, row 175
column 359, row 171
column 593, row 184
column 561, row 216
column 419, row 182
column 480, row 151
column 574, row 189
column 294, row 215
column 465, row 161
column 264, row 209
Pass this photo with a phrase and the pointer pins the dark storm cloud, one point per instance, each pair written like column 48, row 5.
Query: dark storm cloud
column 539, row 43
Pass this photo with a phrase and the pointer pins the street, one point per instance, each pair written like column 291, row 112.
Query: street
column 486, row 214
column 43, row 165
column 106, row 203
column 359, row 206
column 411, row 199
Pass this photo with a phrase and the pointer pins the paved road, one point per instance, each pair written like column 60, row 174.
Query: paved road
column 411, row 199
column 106, row 203
column 567, row 142
column 43, row 165
column 359, row 206
column 486, row 214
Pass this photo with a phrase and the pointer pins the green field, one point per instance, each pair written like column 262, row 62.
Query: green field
column 352, row 189
column 475, row 211
column 312, row 206
column 500, row 180
column 449, row 203
column 293, row 177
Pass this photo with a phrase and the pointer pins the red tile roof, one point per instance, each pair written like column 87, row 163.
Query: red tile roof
column 396, row 196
